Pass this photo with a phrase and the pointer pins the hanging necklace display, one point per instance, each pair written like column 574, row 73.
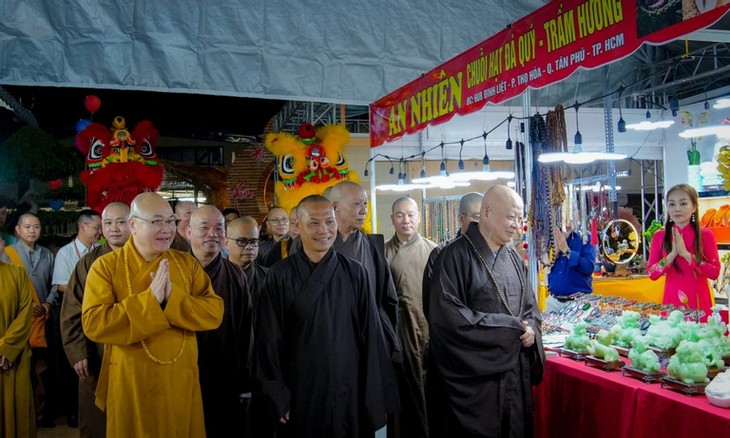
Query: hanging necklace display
column 501, row 296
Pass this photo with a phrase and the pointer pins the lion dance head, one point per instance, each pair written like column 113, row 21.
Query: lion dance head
column 120, row 164
column 309, row 162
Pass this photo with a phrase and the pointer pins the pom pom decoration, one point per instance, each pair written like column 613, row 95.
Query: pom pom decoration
column 82, row 124
column 92, row 103
column 57, row 204
column 55, row 184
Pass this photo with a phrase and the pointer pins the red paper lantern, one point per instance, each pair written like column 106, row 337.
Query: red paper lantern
column 92, row 103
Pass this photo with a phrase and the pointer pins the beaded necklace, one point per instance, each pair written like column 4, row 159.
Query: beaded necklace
column 502, row 299
column 144, row 344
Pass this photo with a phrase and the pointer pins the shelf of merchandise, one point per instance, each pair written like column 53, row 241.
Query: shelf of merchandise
column 716, row 199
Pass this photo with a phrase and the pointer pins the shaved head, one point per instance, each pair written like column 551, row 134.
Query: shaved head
column 148, row 202
column 206, row 233
column 350, row 202
column 152, row 224
column 277, row 223
column 405, row 199
column 114, row 224
column 247, row 219
column 240, row 237
column 343, row 189
column 470, row 200
column 500, row 216
column 499, row 194
column 183, row 210
column 304, row 204
column 469, row 210
column 317, row 226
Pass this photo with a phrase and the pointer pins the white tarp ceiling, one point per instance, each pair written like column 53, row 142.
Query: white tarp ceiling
column 342, row 52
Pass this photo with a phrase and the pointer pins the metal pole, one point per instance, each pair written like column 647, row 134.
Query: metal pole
column 532, row 268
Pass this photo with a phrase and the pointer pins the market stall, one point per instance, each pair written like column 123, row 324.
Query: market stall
column 575, row 400
column 541, row 49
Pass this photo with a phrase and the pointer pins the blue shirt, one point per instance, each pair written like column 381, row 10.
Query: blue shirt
column 575, row 273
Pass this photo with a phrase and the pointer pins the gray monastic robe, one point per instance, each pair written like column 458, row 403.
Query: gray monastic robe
column 479, row 364
column 224, row 354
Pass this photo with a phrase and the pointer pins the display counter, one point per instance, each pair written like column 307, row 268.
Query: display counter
column 635, row 287
column 575, row 400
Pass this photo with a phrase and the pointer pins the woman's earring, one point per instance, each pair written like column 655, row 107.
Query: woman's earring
column 693, row 218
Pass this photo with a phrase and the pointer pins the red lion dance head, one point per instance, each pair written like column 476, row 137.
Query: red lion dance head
column 120, row 164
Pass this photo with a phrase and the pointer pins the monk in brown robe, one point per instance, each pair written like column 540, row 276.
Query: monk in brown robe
column 407, row 253
column 84, row 354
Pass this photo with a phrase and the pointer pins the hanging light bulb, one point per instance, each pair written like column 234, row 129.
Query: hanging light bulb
column 461, row 162
column 423, row 164
column 508, row 144
column 392, row 170
column 648, row 115
column 485, row 160
column 578, row 137
column 621, row 122
column 366, row 173
column 674, row 105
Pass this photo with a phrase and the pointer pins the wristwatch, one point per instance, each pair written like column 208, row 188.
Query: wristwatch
column 567, row 253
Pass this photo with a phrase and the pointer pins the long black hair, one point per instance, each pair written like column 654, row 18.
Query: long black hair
column 694, row 197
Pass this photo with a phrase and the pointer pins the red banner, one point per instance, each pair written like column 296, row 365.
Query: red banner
column 542, row 48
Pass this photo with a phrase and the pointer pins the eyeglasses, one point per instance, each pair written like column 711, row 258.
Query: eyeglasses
column 243, row 242
column 279, row 220
column 170, row 222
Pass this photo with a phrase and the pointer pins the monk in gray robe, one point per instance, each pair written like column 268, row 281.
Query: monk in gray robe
column 485, row 327
column 242, row 241
column 224, row 354
column 320, row 357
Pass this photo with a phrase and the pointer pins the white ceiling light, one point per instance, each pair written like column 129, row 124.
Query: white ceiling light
column 718, row 130
column 650, row 126
column 722, row 104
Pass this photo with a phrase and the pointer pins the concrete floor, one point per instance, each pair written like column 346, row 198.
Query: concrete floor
column 60, row 431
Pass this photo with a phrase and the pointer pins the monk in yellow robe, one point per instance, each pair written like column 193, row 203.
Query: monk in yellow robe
column 17, row 416
column 145, row 302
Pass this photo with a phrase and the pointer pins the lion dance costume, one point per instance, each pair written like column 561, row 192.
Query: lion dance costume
column 120, row 165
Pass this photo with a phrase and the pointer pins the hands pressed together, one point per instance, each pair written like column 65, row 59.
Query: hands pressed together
column 161, row 285
column 561, row 242
column 678, row 248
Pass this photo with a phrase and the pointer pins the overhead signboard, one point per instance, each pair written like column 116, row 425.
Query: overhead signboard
column 540, row 49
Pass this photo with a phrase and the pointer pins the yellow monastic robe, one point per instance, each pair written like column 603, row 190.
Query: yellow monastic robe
column 148, row 383
column 16, row 312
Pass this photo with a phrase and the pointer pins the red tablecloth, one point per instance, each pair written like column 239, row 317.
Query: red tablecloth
column 575, row 400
